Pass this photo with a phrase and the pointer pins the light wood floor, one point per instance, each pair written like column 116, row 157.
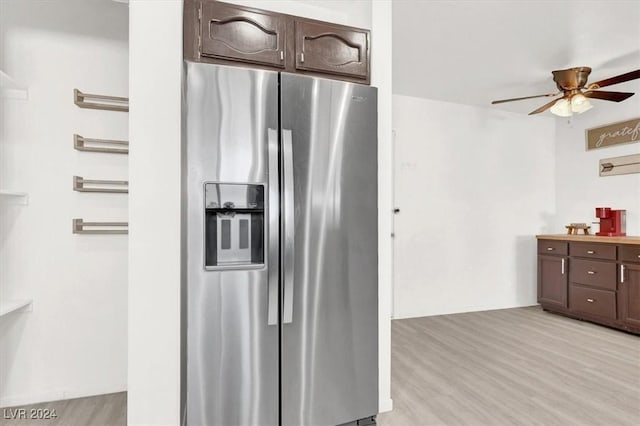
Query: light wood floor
column 509, row 367
column 518, row 366
column 102, row 410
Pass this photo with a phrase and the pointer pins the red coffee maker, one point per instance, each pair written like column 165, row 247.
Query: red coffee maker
column 613, row 223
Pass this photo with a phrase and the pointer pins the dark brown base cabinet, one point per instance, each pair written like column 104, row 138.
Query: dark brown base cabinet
column 629, row 296
column 552, row 288
column 591, row 278
column 230, row 34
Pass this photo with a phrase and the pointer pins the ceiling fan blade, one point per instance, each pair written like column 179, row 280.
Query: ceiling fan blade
column 608, row 96
column 544, row 107
column 615, row 80
column 526, row 97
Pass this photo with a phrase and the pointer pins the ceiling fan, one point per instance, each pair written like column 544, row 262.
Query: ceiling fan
column 572, row 85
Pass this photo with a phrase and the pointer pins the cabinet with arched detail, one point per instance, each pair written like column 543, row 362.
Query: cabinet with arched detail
column 231, row 34
column 332, row 49
column 237, row 33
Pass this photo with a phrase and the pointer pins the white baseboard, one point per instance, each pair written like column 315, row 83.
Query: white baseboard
column 386, row 405
column 57, row 395
column 458, row 310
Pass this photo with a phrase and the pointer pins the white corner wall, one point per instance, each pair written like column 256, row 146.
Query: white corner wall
column 474, row 186
column 73, row 343
column 381, row 77
column 580, row 189
column 155, row 90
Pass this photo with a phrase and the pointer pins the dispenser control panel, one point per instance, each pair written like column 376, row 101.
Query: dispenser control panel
column 234, row 226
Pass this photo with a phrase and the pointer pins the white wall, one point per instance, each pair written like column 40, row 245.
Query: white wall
column 579, row 187
column 155, row 73
column 73, row 343
column 474, row 186
column 355, row 13
column 381, row 70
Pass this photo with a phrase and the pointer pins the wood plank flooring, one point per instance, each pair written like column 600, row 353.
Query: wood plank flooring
column 508, row 367
column 101, row 410
column 518, row 366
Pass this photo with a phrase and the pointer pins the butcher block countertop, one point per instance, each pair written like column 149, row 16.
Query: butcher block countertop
column 590, row 239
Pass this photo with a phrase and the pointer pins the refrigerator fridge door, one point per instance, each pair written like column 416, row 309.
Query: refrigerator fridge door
column 329, row 251
column 231, row 122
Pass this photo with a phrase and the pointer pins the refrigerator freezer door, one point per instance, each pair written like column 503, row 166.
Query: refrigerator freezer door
column 329, row 349
column 232, row 350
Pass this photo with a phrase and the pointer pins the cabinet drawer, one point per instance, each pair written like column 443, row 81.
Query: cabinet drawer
column 629, row 253
column 593, row 272
column 594, row 250
column 553, row 247
column 591, row 301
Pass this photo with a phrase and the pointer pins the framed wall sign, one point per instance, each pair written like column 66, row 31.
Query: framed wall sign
column 620, row 165
column 613, row 134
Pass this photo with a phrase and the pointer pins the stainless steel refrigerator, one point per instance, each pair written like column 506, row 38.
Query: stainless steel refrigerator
column 280, row 294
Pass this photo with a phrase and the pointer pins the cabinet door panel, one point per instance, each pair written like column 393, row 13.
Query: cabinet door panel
column 552, row 280
column 629, row 295
column 241, row 34
column 332, row 49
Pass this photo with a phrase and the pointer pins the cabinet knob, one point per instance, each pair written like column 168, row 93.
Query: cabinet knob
column 591, row 252
column 550, row 249
column 591, row 272
column 302, row 57
column 591, row 300
column 282, row 55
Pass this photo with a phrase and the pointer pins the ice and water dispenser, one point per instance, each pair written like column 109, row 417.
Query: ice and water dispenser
column 234, row 226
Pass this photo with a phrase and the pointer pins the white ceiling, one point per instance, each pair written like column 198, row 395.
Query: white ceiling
column 473, row 52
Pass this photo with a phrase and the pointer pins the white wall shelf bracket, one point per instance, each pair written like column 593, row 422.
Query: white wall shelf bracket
column 82, row 227
column 100, row 145
column 81, row 184
column 93, row 101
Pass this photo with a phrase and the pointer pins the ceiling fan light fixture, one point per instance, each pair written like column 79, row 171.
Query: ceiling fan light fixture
column 562, row 108
column 580, row 104
column 571, row 83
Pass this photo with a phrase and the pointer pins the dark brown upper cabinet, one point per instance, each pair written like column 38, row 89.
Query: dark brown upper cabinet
column 242, row 34
column 332, row 49
column 229, row 34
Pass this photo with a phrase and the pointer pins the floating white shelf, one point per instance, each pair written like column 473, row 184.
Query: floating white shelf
column 21, row 197
column 10, row 89
column 8, row 193
column 9, row 306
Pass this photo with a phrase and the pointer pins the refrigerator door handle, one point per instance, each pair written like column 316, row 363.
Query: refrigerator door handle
column 288, row 218
column 273, row 253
